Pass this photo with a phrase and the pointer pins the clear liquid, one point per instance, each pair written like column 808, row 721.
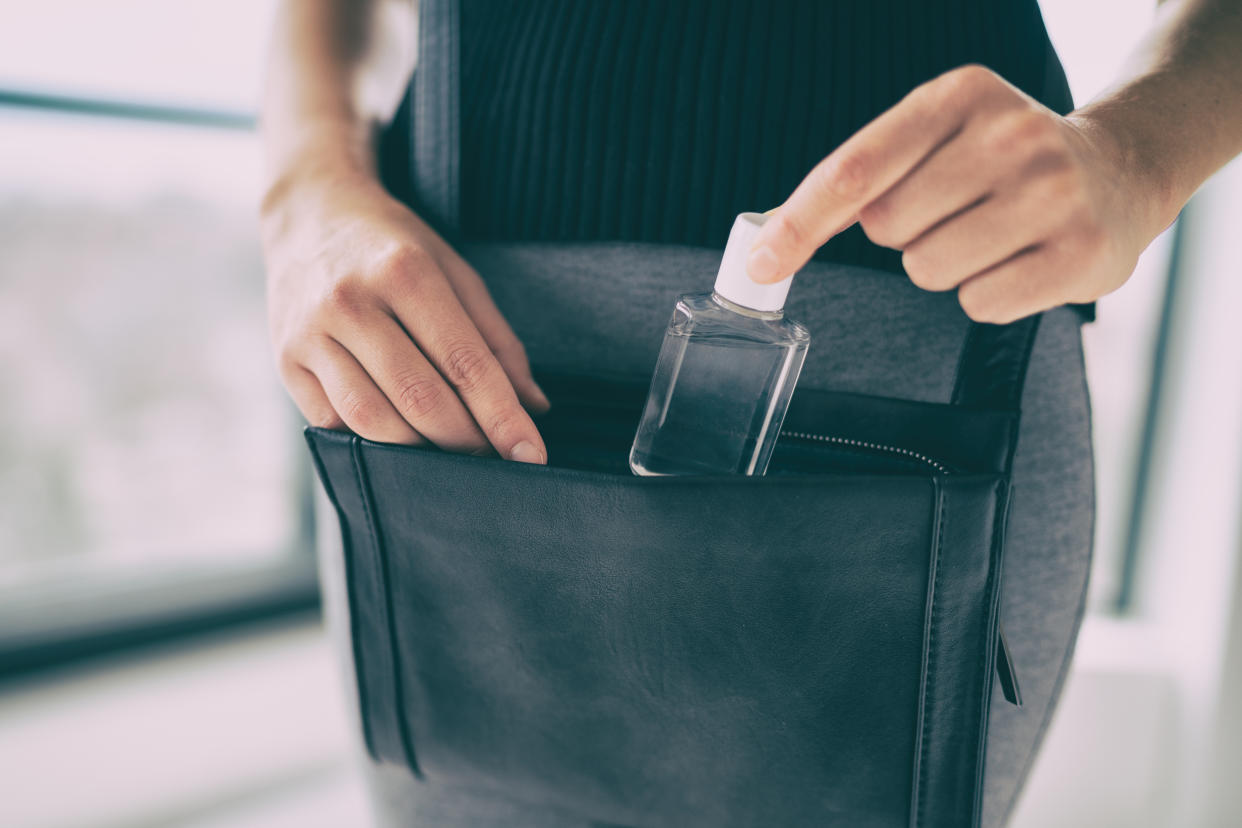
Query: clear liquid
column 720, row 390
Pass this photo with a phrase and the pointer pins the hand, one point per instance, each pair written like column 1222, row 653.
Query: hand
column 984, row 190
column 379, row 326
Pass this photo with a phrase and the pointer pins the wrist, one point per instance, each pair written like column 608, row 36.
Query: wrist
column 1138, row 163
column 325, row 155
column 306, row 201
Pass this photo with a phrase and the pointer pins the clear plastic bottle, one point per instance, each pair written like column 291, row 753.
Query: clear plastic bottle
column 725, row 374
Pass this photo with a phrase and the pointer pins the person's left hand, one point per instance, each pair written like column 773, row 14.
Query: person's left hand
column 984, row 190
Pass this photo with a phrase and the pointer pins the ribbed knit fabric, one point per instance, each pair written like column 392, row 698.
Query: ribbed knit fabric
column 660, row 120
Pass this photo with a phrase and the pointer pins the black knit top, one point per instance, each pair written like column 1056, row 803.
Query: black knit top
column 660, row 120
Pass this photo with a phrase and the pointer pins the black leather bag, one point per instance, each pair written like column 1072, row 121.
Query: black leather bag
column 813, row 647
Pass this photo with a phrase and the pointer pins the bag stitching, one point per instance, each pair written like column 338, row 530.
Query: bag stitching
column 929, row 661
column 992, row 589
column 385, row 583
column 352, row 599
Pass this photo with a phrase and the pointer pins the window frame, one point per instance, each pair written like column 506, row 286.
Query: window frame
column 62, row 619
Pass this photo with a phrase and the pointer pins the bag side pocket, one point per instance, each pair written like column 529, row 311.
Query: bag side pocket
column 338, row 460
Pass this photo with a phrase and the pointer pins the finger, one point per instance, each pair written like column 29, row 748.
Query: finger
column 948, row 181
column 474, row 296
column 355, row 397
column 412, row 384
column 979, row 238
column 844, row 224
column 429, row 310
column 310, row 399
column 867, row 164
column 1030, row 282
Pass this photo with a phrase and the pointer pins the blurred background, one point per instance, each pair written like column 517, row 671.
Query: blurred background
column 162, row 656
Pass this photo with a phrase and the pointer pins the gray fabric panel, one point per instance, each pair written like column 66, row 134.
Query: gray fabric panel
column 1048, row 559
column 605, row 305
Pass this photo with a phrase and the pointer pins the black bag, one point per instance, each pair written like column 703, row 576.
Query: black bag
column 813, row 647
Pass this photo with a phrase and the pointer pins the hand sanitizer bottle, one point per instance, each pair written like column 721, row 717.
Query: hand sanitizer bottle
column 725, row 374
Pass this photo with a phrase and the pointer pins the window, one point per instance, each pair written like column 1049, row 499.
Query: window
column 153, row 473
column 1122, row 344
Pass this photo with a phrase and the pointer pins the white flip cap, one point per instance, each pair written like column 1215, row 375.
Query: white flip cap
column 733, row 283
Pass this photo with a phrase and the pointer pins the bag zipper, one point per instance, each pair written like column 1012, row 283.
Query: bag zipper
column 863, row 444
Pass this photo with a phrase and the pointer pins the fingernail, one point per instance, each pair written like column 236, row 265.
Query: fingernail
column 762, row 266
column 525, row 452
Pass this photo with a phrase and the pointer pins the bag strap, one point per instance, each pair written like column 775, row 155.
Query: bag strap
column 990, row 371
column 435, row 131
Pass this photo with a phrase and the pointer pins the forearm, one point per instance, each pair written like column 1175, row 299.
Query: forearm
column 335, row 70
column 1175, row 115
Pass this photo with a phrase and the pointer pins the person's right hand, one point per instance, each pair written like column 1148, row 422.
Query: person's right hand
column 379, row 326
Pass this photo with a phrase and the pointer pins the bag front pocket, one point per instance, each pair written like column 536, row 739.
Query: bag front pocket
column 725, row 651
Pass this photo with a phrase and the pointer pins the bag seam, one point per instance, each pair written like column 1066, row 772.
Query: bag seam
column 347, row 554
column 919, row 792
column 385, row 584
column 993, row 588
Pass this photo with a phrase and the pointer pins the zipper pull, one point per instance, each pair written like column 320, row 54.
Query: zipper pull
column 1005, row 670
